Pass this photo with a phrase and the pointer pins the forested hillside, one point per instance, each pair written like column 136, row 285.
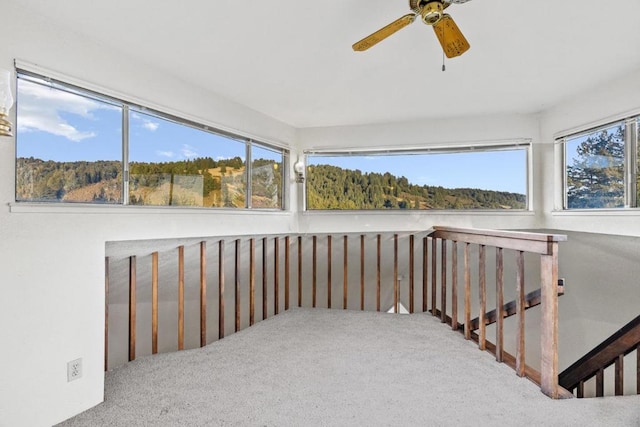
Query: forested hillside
column 186, row 183
column 331, row 187
column 207, row 182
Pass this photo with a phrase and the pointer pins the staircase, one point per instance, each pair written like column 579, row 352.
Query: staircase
column 611, row 352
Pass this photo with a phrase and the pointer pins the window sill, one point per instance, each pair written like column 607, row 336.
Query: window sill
column 597, row 212
column 83, row 208
column 421, row 212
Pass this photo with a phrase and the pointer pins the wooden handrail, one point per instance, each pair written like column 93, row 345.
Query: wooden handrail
column 546, row 246
column 516, row 240
column 620, row 343
column 532, row 299
column 439, row 259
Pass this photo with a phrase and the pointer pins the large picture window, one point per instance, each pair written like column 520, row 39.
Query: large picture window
column 453, row 178
column 74, row 145
column 601, row 170
column 69, row 145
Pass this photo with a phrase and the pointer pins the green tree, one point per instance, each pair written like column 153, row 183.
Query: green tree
column 595, row 179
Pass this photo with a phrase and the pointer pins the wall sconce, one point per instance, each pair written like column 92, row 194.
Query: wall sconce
column 298, row 167
column 6, row 102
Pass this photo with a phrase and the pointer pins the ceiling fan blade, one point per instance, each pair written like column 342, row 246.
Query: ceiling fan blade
column 450, row 37
column 384, row 32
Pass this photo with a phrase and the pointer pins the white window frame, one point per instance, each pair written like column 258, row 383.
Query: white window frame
column 630, row 163
column 27, row 71
column 524, row 143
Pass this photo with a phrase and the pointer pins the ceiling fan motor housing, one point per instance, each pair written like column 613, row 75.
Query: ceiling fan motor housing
column 431, row 12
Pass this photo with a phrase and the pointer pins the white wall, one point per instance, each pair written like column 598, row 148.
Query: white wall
column 52, row 259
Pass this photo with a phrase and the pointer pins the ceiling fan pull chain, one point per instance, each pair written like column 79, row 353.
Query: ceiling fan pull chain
column 443, row 66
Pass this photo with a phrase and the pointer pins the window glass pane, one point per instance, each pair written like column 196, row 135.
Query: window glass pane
column 177, row 165
column 595, row 169
column 462, row 180
column 266, row 177
column 68, row 146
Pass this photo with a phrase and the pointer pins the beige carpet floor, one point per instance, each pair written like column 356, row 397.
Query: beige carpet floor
column 317, row 367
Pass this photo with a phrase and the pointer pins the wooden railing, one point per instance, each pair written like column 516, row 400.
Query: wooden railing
column 611, row 352
column 388, row 271
column 544, row 245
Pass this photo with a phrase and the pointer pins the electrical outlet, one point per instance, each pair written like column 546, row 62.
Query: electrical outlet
column 74, row 370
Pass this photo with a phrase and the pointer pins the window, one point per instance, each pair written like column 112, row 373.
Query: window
column 493, row 177
column 601, row 170
column 69, row 145
column 171, row 164
column 266, row 177
column 74, row 145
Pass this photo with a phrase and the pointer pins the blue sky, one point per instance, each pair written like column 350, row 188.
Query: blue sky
column 62, row 126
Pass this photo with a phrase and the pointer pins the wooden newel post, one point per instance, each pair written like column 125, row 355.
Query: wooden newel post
column 549, row 327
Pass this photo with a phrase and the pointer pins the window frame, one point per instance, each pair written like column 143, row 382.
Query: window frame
column 630, row 163
column 512, row 144
column 78, row 88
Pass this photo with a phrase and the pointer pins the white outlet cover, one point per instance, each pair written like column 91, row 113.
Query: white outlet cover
column 74, row 370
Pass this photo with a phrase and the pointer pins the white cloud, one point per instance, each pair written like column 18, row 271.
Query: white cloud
column 147, row 124
column 40, row 107
column 150, row 126
column 188, row 151
column 165, row 153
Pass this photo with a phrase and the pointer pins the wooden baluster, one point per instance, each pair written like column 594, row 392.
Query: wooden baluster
column 221, row 289
column 482, row 324
column 328, row 271
column 638, row 369
column 362, row 272
column 454, row 285
column 378, row 265
column 411, row 278
column 425, row 274
column 499, row 304
column 600, row 383
column 299, row 271
column 549, row 319
column 520, row 309
column 345, row 273
column 180, row 297
column 252, row 281
column 443, row 284
column 203, row 294
column 106, row 314
column 286, row 272
column 395, row 274
column 315, row 270
column 434, row 271
column 132, row 308
column 580, row 390
column 276, row 275
column 154, row 303
column 619, row 375
column 264, row 278
column 467, row 293
column 237, row 283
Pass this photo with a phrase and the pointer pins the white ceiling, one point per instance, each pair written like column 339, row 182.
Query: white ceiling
column 293, row 60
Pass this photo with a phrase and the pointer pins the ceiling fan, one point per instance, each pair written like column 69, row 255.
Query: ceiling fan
column 432, row 13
